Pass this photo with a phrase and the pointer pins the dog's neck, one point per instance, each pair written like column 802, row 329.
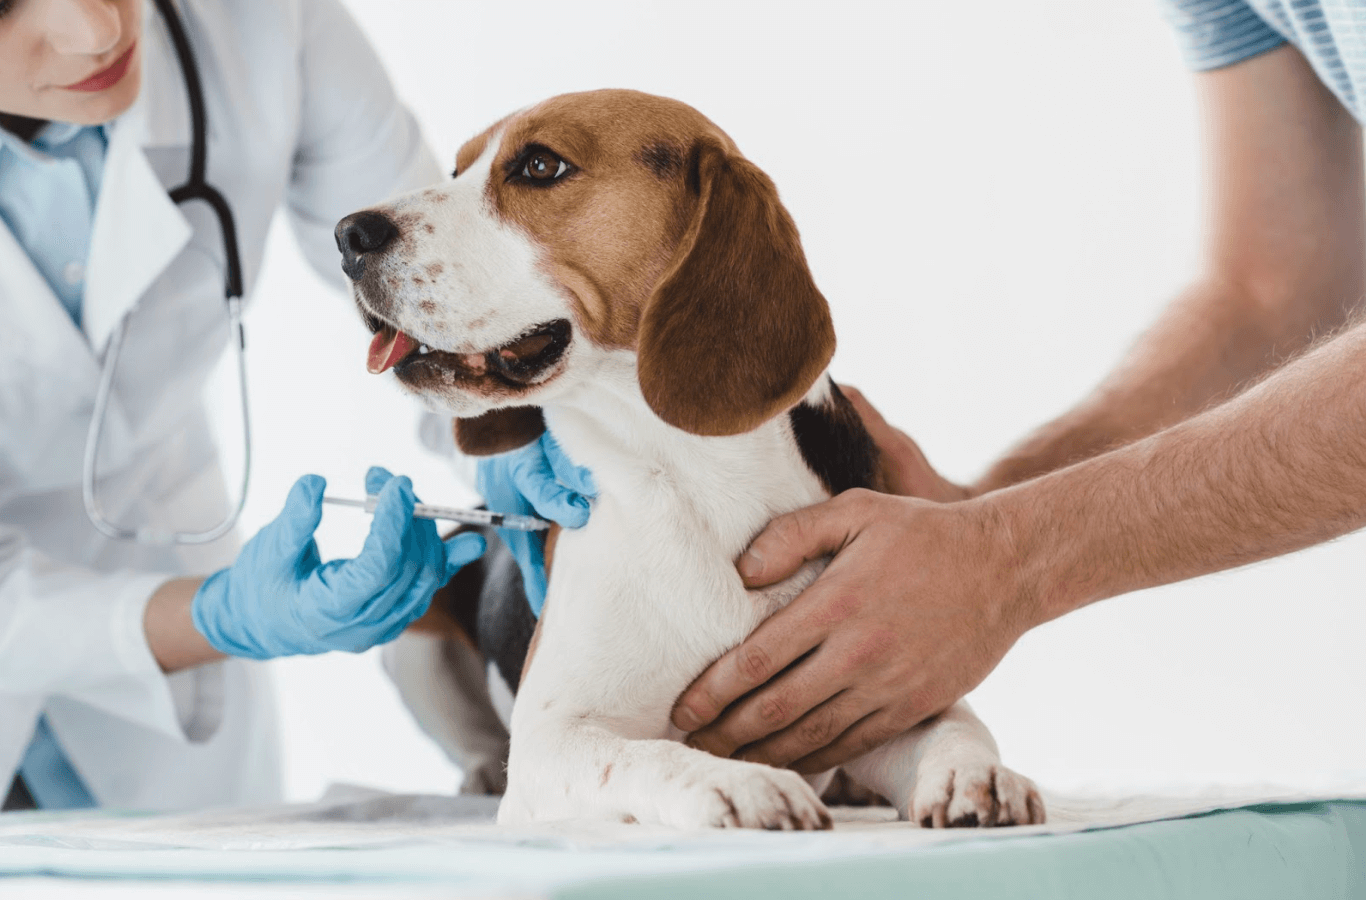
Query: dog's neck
column 734, row 485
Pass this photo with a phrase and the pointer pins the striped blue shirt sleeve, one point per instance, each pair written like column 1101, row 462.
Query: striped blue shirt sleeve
column 1218, row 33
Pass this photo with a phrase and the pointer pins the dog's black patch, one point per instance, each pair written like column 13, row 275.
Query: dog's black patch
column 505, row 624
column 487, row 599
column 834, row 443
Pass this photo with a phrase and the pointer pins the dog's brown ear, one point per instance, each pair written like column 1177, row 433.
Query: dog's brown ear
column 499, row 430
column 736, row 330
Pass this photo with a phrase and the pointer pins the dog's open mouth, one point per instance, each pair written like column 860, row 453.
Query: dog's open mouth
column 519, row 362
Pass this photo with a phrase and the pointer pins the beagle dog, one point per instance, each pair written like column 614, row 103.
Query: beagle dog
column 609, row 264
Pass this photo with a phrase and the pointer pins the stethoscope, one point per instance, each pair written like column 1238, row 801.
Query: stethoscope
column 194, row 188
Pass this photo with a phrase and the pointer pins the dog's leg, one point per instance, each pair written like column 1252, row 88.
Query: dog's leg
column 946, row 772
column 582, row 769
column 444, row 682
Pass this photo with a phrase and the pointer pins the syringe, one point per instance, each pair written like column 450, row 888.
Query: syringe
column 453, row 514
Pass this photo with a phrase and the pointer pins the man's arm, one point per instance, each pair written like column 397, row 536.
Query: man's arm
column 1284, row 263
column 1278, row 468
column 922, row 601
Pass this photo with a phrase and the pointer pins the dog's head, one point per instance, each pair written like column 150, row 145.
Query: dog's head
column 609, row 220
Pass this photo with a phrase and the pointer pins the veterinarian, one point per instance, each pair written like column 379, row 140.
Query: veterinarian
column 1233, row 431
column 114, row 688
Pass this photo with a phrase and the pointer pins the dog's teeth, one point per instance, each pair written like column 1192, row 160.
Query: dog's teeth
column 424, row 349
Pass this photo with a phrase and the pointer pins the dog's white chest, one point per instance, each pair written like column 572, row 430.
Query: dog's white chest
column 646, row 595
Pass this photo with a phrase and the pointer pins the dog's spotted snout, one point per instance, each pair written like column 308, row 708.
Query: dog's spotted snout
column 358, row 236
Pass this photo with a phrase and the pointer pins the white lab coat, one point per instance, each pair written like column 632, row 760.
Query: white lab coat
column 301, row 115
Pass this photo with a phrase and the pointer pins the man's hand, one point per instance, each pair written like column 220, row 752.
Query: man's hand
column 916, row 608
column 904, row 469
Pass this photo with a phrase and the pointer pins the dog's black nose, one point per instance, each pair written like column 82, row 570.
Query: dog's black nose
column 359, row 235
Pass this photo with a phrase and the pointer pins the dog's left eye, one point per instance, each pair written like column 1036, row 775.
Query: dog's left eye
column 543, row 166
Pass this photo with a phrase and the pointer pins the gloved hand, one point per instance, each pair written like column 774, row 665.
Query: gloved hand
column 538, row 480
column 279, row 598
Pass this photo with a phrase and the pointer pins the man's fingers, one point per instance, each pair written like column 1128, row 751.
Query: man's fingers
column 779, row 551
column 806, row 534
column 873, row 730
column 872, row 419
column 905, row 469
column 888, row 438
column 782, row 638
column 772, row 708
column 811, row 733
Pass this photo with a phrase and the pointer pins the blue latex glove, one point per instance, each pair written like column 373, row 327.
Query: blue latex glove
column 279, row 598
column 539, row 480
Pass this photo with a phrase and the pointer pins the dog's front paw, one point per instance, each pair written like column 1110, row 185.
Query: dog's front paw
column 746, row 795
column 974, row 794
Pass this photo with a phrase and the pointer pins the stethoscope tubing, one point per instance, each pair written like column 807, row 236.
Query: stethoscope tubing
column 196, row 187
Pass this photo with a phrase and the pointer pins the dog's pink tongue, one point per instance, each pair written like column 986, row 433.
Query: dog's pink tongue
column 388, row 349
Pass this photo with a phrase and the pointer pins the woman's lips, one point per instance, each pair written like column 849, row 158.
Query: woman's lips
column 106, row 78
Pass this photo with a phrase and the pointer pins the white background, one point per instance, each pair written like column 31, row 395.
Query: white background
column 995, row 197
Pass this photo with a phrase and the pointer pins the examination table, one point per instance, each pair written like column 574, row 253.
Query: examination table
column 1245, row 844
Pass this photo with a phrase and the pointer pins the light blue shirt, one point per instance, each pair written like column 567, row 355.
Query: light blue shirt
column 47, row 198
column 1330, row 33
